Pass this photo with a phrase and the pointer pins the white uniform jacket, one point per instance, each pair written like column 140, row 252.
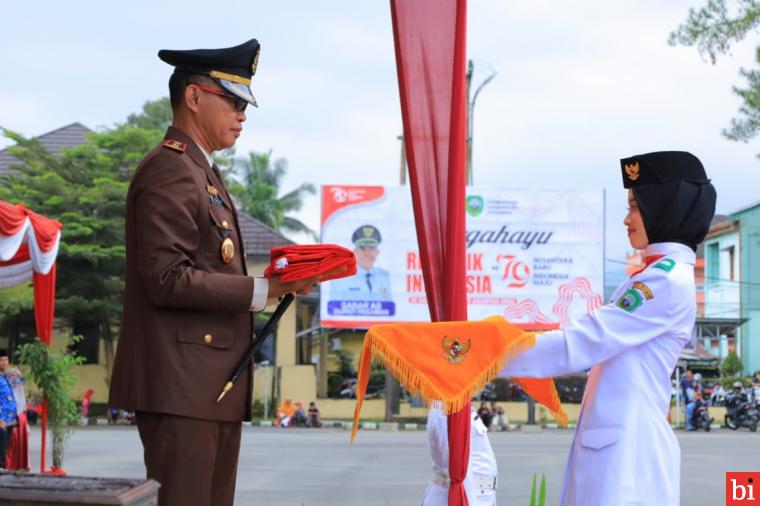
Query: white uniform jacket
column 624, row 451
column 482, row 461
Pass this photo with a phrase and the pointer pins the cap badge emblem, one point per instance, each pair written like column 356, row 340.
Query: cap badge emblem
column 632, row 170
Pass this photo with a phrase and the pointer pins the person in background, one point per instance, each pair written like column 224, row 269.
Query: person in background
column 315, row 419
column 484, row 414
column 481, row 478
column 696, row 403
column 299, row 417
column 17, row 454
column 686, row 380
column 499, row 419
column 85, row 412
column 755, row 393
column 285, row 413
column 8, row 413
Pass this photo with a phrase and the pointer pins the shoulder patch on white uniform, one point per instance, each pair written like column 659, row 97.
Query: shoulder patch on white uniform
column 630, row 301
column 638, row 285
column 665, row 264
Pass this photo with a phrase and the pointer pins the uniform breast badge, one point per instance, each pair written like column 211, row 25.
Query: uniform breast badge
column 228, row 250
column 213, row 194
column 455, row 350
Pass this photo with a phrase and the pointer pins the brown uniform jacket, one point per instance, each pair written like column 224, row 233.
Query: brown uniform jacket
column 186, row 320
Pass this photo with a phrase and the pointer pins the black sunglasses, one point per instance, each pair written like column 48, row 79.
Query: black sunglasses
column 238, row 103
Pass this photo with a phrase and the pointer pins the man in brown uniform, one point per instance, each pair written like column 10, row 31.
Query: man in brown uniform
column 187, row 317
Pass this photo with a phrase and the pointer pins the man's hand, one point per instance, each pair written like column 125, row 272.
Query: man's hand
column 302, row 287
column 3, row 425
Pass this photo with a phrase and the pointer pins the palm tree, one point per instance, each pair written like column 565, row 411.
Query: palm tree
column 257, row 187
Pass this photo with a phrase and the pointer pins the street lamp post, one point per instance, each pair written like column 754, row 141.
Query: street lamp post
column 471, row 112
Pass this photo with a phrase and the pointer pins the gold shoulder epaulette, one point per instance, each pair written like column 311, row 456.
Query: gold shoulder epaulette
column 175, row 145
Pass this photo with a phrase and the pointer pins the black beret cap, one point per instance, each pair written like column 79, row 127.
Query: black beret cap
column 662, row 167
column 232, row 67
column 366, row 235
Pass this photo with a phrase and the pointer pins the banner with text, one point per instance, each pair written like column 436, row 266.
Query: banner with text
column 535, row 257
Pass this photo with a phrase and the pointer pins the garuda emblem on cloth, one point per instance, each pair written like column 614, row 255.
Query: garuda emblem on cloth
column 455, row 350
column 632, row 170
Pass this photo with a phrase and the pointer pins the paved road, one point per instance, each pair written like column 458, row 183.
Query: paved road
column 318, row 468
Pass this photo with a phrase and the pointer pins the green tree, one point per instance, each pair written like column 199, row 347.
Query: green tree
column 85, row 189
column 155, row 115
column 15, row 300
column 713, row 30
column 257, row 188
column 732, row 364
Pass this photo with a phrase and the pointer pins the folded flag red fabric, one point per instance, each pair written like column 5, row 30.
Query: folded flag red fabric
column 293, row 263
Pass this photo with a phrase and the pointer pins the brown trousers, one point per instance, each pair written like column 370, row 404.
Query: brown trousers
column 195, row 461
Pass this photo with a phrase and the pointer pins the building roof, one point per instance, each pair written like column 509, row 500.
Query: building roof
column 721, row 224
column 67, row 136
column 746, row 208
column 717, row 225
column 258, row 238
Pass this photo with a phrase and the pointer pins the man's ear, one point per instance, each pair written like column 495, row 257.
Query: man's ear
column 192, row 98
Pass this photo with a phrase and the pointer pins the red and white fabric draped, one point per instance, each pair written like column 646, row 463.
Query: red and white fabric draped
column 28, row 249
column 430, row 58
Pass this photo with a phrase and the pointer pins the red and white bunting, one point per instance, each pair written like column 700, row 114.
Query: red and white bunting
column 28, row 244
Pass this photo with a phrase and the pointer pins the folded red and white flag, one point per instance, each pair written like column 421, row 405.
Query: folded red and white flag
column 293, row 263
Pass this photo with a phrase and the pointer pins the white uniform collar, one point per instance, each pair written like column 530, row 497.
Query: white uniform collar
column 207, row 155
column 672, row 249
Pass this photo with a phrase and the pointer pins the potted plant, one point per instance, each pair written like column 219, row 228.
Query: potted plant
column 52, row 374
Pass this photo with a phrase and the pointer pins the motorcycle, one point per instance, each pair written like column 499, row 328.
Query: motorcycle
column 741, row 412
column 701, row 419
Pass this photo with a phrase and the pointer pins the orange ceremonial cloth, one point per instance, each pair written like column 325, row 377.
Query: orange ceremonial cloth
column 293, row 263
column 450, row 361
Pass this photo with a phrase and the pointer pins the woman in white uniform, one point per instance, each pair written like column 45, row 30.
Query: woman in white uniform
column 624, row 452
column 480, row 481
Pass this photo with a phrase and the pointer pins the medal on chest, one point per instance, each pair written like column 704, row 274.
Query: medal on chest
column 228, row 250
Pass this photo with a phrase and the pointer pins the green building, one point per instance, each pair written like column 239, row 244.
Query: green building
column 732, row 283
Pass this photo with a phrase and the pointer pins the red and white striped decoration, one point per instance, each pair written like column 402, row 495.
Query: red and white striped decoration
column 28, row 244
column 28, row 248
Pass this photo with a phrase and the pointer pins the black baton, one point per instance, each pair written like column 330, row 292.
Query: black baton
column 258, row 340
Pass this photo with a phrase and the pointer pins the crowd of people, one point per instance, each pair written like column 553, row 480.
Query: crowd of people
column 293, row 415
column 695, row 395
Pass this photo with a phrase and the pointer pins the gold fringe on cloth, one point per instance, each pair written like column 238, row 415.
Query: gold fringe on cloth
column 449, row 361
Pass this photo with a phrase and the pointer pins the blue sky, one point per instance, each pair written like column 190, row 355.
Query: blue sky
column 580, row 84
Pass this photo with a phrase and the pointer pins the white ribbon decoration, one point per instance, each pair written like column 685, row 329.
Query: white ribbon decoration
column 41, row 261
